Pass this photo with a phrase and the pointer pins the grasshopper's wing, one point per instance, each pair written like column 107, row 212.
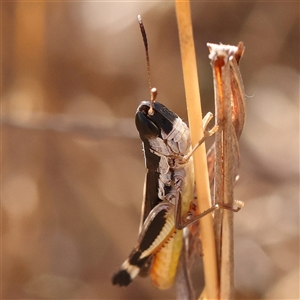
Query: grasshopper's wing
column 150, row 201
column 150, row 194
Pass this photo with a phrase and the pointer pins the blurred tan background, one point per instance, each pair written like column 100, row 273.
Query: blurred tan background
column 73, row 74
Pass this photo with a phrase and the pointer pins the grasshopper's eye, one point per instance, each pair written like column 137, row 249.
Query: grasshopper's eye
column 145, row 126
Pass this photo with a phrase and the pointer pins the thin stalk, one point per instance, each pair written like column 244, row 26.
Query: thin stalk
column 192, row 91
column 230, row 116
column 223, row 172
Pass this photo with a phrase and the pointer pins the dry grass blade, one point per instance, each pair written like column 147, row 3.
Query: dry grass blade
column 195, row 116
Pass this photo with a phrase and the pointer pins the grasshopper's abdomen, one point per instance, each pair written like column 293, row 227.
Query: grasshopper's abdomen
column 165, row 263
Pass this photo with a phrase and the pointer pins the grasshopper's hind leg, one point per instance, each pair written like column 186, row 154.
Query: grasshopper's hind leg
column 182, row 223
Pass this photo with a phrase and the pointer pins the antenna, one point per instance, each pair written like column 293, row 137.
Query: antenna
column 153, row 90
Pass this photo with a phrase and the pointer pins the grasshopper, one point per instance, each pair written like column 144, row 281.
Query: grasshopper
column 168, row 204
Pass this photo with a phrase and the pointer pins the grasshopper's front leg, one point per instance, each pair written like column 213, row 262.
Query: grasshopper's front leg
column 181, row 221
column 207, row 133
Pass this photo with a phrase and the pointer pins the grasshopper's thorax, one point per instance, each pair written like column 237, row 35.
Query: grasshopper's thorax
column 172, row 168
column 171, row 147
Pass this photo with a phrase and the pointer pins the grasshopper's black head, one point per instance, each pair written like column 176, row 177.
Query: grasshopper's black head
column 152, row 125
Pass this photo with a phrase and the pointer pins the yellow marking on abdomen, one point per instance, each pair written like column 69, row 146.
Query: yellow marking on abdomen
column 165, row 262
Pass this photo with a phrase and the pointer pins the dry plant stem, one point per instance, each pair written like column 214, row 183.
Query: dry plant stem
column 195, row 116
column 230, row 115
column 226, row 275
column 224, row 174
